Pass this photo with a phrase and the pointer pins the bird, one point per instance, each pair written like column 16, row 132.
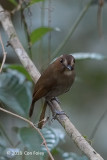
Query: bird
column 55, row 80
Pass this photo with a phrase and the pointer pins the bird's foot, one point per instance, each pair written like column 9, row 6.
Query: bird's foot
column 56, row 99
column 56, row 113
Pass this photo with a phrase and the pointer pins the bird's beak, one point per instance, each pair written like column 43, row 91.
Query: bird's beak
column 69, row 67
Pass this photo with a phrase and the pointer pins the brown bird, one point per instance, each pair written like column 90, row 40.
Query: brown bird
column 55, row 80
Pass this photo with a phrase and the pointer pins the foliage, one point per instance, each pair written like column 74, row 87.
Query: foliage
column 38, row 33
column 18, row 68
column 31, row 144
column 73, row 156
column 15, row 95
column 34, row 1
column 13, row 2
column 15, row 92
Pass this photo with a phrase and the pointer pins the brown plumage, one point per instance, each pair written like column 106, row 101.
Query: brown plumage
column 55, row 80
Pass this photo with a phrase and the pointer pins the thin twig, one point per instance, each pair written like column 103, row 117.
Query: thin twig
column 99, row 17
column 31, row 124
column 41, row 49
column 73, row 28
column 98, row 124
column 4, row 54
column 49, row 25
column 26, row 31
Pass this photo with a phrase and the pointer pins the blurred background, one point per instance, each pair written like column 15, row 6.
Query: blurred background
column 85, row 24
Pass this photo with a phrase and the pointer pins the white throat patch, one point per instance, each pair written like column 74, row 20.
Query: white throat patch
column 68, row 73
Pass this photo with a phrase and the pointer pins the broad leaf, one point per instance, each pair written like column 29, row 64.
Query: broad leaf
column 15, row 92
column 53, row 137
column 30, row 138
column 2, row 141
column 38, row 33
column 20, row 69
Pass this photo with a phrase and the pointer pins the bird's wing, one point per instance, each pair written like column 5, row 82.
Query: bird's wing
column 44, row 85
column 41, row 92
column 36, row 96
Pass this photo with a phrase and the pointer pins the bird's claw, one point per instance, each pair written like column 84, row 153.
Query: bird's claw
column 56, row 99
column 56, row 113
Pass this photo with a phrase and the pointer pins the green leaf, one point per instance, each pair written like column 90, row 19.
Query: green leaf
column 53, row 137
column 38, row 33
column 30, row 138
column 15, row 92
column 32, row 141
column 34, row 1
column 2, row 141
column 20, row 69
column 13, row 2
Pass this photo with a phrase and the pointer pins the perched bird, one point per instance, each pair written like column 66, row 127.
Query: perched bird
column 55, row 80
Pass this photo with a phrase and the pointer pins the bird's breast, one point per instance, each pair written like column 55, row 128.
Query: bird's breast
column 63, row 84
column 68, row 73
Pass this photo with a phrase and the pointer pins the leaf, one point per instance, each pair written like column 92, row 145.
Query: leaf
column 13, row 2
column 83, row 55
column 38, row 33
column 15, row 92
column 53, row 137
column 35, row 1
column 2, row 141
column 30, row 138
column 32, row 142
column 72, row 156
column 19, row 68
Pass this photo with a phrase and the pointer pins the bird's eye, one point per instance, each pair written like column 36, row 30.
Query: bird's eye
column 61, row 60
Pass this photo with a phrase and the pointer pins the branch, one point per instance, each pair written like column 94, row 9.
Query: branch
column 17, row 46
column 32, row 70
column 32, row 125
column 99, row 17
column 4, row 54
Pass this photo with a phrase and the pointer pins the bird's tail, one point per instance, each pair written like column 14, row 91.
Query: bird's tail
column 42, row 116
column 31, row 109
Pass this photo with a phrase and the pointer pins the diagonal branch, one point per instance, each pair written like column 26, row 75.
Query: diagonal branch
column 32, row 125
column 34, row 73
column 4, row 54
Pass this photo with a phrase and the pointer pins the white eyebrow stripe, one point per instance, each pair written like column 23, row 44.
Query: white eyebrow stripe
column 65, row 62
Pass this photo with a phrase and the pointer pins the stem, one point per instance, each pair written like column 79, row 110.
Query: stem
column 49, row 25
column 41, row 40
column 73, row 28
column 31, row 124
column 26, row 29
column 4, row 54
column 99, row 17
column 98, row 124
